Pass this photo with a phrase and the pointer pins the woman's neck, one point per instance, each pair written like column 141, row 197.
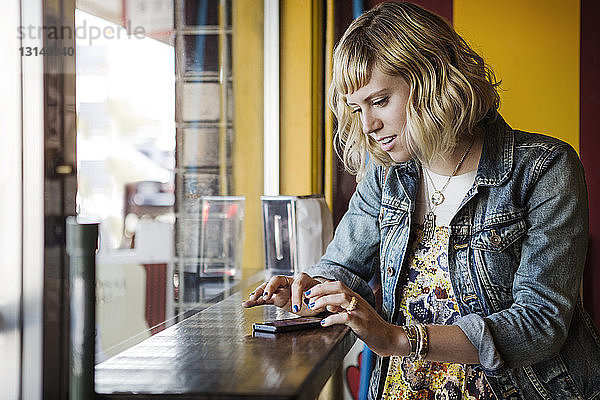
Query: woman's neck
column 446, row 165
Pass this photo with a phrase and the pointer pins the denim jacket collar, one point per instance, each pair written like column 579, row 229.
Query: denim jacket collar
column 496, row 162
column 408, row 174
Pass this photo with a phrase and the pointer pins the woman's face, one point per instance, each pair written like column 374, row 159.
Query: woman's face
column 382, row 107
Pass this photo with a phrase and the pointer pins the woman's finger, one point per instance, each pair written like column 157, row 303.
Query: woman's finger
column 336, row 319
column 258, row 292
column 257, row 301
column 334, row 309
column 341, row 300
column 275, row 283
column 302, row 282
column 326, row 288
column 255, row 298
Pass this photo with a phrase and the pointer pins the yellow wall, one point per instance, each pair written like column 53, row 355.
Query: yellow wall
column 533, row 46
column 300, row 97
column 301, row 115
column 248, row 122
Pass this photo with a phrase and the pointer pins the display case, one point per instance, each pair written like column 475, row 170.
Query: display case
column 297, row 230
column 221, row 236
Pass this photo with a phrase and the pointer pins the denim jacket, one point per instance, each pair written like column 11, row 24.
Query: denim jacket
column 516, row 255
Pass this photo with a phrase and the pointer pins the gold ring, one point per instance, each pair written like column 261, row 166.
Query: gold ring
column 352, row 304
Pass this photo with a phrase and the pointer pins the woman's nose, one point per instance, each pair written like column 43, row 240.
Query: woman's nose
column 370, row 123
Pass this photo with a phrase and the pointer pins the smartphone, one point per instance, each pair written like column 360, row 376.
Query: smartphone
column 287, row 325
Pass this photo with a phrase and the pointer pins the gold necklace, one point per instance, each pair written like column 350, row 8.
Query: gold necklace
column 438, row 197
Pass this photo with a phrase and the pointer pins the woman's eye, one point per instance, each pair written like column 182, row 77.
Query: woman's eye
column 380, row 102
column 355, row 110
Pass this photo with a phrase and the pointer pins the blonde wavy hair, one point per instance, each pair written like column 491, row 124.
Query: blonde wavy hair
column 451, row 88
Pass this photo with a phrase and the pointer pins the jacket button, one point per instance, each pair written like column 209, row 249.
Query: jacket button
column 495, row 239
column 390, row 271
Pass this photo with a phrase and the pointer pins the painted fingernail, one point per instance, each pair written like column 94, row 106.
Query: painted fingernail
column 306, row 301
column 295, row 307
column 266, row 294
column 311, row 305
column 322, row 322
column 251, row 293
column 307, row 293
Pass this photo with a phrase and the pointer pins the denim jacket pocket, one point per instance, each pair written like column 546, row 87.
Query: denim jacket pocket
column 552, row 380
column 497, row 237
column 391, row 213
column 497, row 253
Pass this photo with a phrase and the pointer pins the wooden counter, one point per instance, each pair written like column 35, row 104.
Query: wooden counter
column 213, row 354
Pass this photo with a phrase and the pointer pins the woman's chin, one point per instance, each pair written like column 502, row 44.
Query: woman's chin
column 399, row 156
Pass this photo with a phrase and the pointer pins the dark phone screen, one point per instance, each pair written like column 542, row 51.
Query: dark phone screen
column 290, row 324
column 295, row 321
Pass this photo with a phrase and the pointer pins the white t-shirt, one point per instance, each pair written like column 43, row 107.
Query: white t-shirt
column 454, row 194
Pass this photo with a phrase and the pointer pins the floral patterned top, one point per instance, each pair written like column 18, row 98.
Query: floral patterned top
column 427, row 297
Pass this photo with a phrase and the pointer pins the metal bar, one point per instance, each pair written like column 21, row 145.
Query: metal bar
column 60, row 188
column 82, row 241
column 10, row 202
column 223, row 67
column 33, row 207
column 179, row 187
column 271, row 97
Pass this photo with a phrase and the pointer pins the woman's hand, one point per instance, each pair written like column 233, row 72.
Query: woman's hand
column 383, row 338
column 285, row 292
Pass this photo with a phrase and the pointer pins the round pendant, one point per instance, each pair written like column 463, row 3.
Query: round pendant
column 437, row 198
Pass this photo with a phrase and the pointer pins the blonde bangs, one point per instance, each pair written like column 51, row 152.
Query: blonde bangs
column 353, row 66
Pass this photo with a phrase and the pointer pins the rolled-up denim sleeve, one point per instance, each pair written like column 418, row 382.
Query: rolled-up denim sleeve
column 478, row 333
column 350, row 255
column 546, row 283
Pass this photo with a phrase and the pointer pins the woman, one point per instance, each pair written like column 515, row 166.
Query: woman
column 479, row 231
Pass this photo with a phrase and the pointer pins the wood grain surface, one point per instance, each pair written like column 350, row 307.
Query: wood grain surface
column 214, row 355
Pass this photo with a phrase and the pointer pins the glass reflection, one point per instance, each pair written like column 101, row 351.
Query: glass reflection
column 125, row 152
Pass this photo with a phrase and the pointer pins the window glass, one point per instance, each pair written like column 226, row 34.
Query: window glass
column 126, row 161
column 156, row 134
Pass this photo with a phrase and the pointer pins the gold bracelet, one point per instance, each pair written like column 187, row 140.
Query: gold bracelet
column 423, row 347
column 411, row 335
column 419, row 342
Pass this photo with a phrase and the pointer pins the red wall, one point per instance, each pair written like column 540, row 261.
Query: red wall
column 589, row 146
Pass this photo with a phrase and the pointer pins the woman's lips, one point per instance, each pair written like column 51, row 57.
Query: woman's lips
column 387, row 142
